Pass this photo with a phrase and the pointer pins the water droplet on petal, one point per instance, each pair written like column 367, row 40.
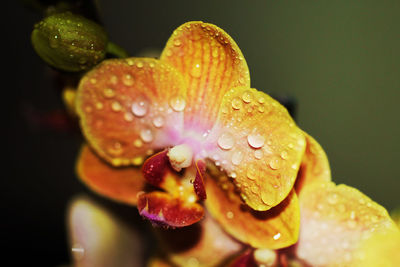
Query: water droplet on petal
column 177, row 42
column 99, row 105
column 236, row 103
column 146, row 135
column 139, row 108
column 137, row 161
column 178, row 103
column 261, row 100
column 128, row 80
column 226, row 141
column 195, row 71
column 229, row 215
column 255, row 140
column 247, row 97
column 108, row 92
column 115, row 149
column 237, row 157
column 284, row 154
column 251, row 173
column 114, row 80
column 277, row 236
column 139, row 64
column 138, row 143
column 274, row 163
column 116, row 106
column 258, row 154
column 158, row 121
column 128, row 117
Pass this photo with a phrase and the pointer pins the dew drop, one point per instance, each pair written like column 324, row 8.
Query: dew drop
column 115, row 149
column 99, row 105
column 247, row 97
column 127, row 79
column 258, row 154
column 93, row 81
column 137, row 161
column 128, row 117
column 274, row 163
column 284, row 154
column 237, row 157
column 78, row 252
column 261, row 109
column 158, row 121
column 226, row 141
column 251, row 173
column 116, row 106
column 177, row 42
column 177, row 103
column 146, row 135
column 138, row 143
column 261, row 100
column 332, row 199
column 114, row 80
column 277, row 236
column 255, row 140
column 229, row 215
column 139, row 64
column 236, row 103
column 215, row 52
column 195, row 71
column 139, row 108
column 108, row 92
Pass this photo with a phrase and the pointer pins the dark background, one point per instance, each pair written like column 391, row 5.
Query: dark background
column 339, row 59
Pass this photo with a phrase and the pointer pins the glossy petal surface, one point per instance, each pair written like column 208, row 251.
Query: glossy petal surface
column 257, row 143
column 130, row 107
column 275, row 228
column 336, row 222
column 120, row 184
column 314, row 166
column 211, row 64
column 164, row 210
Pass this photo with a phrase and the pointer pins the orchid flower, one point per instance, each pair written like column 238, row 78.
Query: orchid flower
column 192, row 110
column 184, row 136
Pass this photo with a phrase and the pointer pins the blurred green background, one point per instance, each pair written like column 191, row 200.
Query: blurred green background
column 339, row 59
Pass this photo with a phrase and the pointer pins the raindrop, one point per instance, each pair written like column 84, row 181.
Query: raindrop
column 177, row 42
column 195, row 71
column 138, row 143
column 236, row 103
column 108, row 92
column 158, row 121
column 146, row 135
column 274, row 163
column 99, row 105
column 229, row 215
column 226, row 141
column 237, row 157
column 261, row 100
column 128, row 117
column 139, row 108
column 247, row 97
column 114, row 80
column 178, row 103
column 277, row 236
column 255, row 140
column 139, row 64
column 251, row 173
column 258, row 154
column 127, row 79
column 116, row 106
column 284, row 154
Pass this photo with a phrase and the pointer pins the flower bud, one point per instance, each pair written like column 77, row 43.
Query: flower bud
column 69, row 42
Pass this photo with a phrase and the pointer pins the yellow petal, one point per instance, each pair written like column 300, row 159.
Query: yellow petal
column 130, row 107
column 337, row 222
column 258, row 144
column 211, row 64
column 274, row 229
column 314, row 165
column 120, row 184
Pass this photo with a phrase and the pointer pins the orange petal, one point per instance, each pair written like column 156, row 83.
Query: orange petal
column 130, row 107
column 201, row 244
column 336, row 222
column 275, row 228
column 314, row 166
column 164, row 210
column 257, row 142
column 99, row 238
column 198, row 182
column 120, row 184
column 211, row 64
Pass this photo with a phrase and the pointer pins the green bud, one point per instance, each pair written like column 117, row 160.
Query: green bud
column 69, row 42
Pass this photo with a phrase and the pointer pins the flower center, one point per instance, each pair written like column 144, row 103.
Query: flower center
column 180, row 156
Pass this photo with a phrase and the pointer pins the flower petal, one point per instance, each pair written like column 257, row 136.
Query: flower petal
column 275, row 228
column 129, row 107
column 201, row 244
column 99, row 238
column 314, row 166
column 211, row 64
column 257, row 142
column 120, row 184
column 164, row 210
column 336, row 222
column 198, row 182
